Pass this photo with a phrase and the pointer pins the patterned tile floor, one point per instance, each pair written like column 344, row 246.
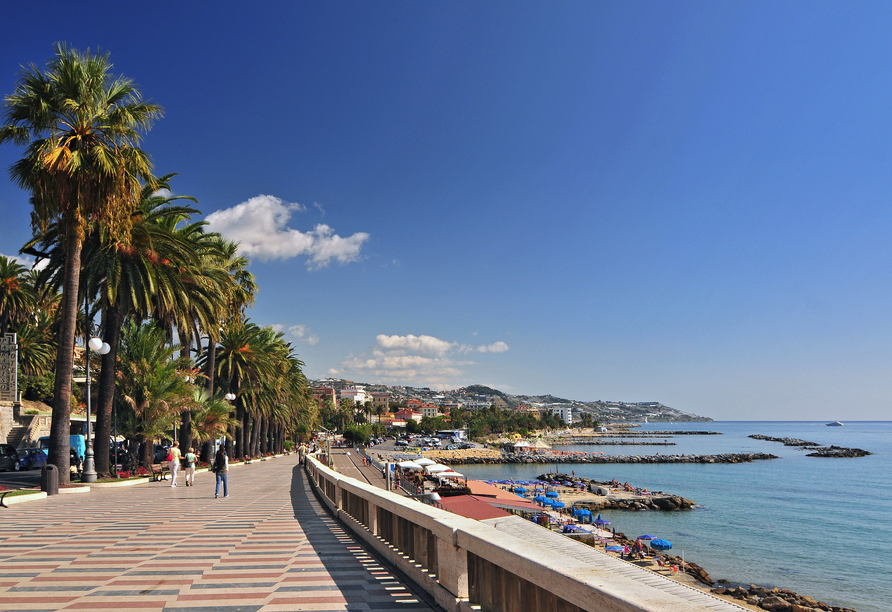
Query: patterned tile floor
column 270, row 547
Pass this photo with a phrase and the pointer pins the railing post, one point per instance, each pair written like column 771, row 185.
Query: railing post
column 452, row 568
column 339, row 499
column 373, row 518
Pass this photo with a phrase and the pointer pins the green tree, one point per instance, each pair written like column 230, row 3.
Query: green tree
column 16, row 294
column 81, row 126
column 152, row 384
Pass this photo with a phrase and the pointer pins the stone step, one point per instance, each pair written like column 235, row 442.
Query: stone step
column 16, row 434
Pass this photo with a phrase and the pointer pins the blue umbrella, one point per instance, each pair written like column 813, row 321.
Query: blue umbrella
column 647, row 537
column 613, row 548
column 551, row 494
column 660, row 544
column 558, row 505
column 540, row 498
column 519, row 490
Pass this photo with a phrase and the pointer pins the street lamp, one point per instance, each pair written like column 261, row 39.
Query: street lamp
column 89, row 474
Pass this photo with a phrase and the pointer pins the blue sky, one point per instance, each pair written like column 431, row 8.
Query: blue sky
column 681, row 202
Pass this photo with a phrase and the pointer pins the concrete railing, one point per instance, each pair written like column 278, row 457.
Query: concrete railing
column 468, row 565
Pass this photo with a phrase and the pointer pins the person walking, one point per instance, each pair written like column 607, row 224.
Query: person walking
column 174, row 463
column 221, row 469
column 189, row 460
column 302, row 453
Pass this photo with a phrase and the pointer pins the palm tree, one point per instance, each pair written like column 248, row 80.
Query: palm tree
column 81, row 126
column 131, row 280
column 152, row 383
column 16, row 294
column 211, row 416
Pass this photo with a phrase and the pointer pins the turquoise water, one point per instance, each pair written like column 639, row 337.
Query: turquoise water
column 820, row 527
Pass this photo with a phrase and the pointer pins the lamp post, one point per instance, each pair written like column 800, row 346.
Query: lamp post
column 89, row 474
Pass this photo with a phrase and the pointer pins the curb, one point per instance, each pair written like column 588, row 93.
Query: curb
column 21, row 499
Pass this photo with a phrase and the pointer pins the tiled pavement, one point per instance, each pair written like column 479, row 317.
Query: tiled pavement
column 270, row 547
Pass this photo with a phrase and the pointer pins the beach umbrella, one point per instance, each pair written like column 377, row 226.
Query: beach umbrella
column 647, row 537
column 558, row 505
column 551, row 494
column 660, row 544
column 409, row 465
column 425, row 461
column 600, row 521
column 519, row 490
column 613, row 548
column 540, row 498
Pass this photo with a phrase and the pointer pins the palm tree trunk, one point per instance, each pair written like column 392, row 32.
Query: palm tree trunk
column 264, row 435
column 207, row 449
column 255, row 435
column 211, row 364
column 241, row 417
column 113, row 320
column 60, row 430
column 185, row 415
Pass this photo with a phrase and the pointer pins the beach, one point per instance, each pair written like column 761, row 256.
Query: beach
column 808, row 524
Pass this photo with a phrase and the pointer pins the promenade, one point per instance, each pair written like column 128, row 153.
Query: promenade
column 270, row 547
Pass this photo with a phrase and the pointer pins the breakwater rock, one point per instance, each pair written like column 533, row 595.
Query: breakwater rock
column 593, row 458
column 666, row 503
column 817, row 450
column 777, row 599
column 785, row 441
column 837, row 451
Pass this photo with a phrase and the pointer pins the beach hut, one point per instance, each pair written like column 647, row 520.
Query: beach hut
column 539, row 444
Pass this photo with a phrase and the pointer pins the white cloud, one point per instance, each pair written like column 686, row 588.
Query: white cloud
column 495, row 347
column 278, row 327
column 260, row 225
column 420, row 360
column 27, row 261
column 302, row 333
column 418, row 344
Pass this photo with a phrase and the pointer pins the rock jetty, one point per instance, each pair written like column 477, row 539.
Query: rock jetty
column 817, row 449
column 559, row 457
column 785, row 441
column 777, row 599
column 837, row 451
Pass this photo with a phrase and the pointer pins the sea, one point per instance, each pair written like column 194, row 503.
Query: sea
column 821, row 527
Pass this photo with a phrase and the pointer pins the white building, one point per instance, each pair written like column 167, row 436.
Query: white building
column 565, row 413
column 357, row 394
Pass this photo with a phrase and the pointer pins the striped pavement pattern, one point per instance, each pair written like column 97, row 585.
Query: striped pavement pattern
column 270, row 547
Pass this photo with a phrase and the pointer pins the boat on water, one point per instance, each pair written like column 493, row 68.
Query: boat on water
column 834, row 424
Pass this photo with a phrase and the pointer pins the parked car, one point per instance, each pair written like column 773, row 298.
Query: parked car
column 401, row 443
column 160, row 453
column 32, row 458
column 466, row 445
column 9, row 458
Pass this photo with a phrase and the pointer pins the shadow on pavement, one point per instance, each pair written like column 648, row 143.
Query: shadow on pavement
column 365, row 582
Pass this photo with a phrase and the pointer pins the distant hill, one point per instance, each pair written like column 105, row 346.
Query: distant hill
column 601, row 410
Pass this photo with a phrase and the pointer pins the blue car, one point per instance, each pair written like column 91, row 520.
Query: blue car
column 32, row 458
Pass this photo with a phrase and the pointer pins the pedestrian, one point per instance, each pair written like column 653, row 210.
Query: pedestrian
column 302, row 453
column 173, row 462
column 189, row 460
column 221, row 469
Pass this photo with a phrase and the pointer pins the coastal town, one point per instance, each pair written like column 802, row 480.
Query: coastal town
column 398, row 404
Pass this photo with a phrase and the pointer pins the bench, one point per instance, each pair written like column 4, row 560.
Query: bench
column 158, row 470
